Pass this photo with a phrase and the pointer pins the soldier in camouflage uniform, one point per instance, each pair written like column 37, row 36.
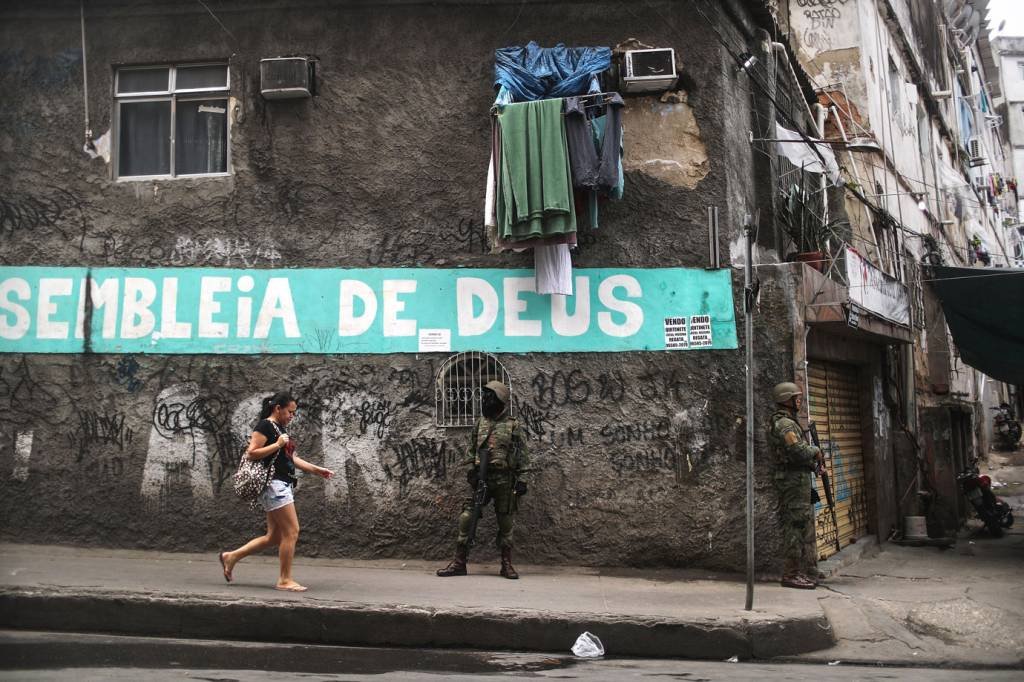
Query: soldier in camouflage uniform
column 794, row 459
column 505, row 438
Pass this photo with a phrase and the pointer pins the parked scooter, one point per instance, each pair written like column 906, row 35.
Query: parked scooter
column 993, row 511
column 1006, row 428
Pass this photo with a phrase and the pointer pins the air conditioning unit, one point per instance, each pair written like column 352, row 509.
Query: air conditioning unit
column 975, row 152
column 286, row 78
column 648, row 70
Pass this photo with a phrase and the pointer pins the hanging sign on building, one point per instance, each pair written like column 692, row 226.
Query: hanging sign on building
column 876, row 292
column 400, row 310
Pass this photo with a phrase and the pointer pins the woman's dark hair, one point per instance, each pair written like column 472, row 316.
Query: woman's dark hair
column 279, row 399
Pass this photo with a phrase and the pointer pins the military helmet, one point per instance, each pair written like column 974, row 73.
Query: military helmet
column 784, row 391
column 500, row 390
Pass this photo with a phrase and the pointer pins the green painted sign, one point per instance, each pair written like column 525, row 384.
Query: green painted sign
column 378, row 310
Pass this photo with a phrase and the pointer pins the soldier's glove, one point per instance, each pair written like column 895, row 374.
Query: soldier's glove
column 520, row 488
column 472, row 477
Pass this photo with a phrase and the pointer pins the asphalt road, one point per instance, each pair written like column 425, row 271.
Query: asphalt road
column 75, row 657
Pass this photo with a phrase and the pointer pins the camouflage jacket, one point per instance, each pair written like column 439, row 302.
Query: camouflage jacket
column 506, row 440
column 790, row 452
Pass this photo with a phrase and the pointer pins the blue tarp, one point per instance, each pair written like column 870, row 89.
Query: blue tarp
column 530, row 73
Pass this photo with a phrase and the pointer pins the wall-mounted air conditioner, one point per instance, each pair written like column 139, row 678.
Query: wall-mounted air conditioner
column 975, row 152
column 648, row 70
column 286, row 77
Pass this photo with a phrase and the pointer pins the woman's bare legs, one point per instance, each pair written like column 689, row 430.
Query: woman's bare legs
column 286, row 523
column 271, row 539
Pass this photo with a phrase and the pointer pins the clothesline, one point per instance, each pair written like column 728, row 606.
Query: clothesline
column 496, row 105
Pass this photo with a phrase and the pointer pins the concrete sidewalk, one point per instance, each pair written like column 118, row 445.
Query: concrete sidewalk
column 393, row 603
column 924, row 606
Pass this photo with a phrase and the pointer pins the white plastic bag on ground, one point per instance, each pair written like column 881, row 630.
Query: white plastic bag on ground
column 588, row 646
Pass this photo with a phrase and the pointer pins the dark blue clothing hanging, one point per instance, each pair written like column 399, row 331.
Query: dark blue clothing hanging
column 533, row 72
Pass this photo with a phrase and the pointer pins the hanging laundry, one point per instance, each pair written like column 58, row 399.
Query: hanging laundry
column 553, row 269
column 600, row 125
column 490, row 200
column 594, row 167
column 524, row 74
column 534, row 197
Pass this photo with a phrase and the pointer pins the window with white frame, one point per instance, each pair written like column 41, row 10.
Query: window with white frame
column 171, row 120
column 1020, row 69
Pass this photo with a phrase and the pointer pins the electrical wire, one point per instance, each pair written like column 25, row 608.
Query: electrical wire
column 786, row 115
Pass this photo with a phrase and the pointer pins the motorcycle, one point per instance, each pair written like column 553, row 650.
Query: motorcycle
column 993, row 511
column 1006, row 428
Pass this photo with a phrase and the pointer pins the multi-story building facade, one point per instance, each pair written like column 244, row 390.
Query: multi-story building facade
column 908, row 86
column 184, row 238
column 1010, row 55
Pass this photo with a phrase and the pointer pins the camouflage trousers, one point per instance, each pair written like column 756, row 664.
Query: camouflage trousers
column 499, row 488
column 796, row 521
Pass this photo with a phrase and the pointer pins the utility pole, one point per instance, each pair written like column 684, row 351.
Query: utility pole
column 748, row 315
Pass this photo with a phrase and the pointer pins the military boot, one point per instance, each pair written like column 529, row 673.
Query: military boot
column 507, row 571
column 456, row 566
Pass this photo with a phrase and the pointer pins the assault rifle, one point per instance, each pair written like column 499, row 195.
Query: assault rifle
column 825, row 483
column 480, row 496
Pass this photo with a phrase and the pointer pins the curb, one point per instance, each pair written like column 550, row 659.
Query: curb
column 355, row 624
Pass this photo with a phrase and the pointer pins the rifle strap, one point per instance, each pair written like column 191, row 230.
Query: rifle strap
column 476, row 441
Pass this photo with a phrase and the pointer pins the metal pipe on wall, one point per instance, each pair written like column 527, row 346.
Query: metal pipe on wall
column 748, row 308
column 85, row 78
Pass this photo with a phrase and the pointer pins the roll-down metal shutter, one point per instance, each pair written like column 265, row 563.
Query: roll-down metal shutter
column 835, row 409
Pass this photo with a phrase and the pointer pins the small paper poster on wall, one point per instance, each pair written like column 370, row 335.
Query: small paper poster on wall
column 700, row 331
column 675, row 333
column 435, row 340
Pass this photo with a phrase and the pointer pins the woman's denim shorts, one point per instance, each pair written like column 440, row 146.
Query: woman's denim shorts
column 278, row 494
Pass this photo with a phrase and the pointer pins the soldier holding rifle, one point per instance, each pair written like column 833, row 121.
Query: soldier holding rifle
column 495, row 463
column 794, row 459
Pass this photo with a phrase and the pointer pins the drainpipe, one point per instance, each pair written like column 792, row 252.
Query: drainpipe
column 85, row 81
column 818, row 120
column 779, row 47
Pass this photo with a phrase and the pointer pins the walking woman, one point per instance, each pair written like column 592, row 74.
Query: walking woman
column 270, row 441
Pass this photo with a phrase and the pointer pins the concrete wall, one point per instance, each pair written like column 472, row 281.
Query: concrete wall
column 639, row 456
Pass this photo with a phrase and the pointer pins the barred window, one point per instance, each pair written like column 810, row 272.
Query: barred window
column 459, row 384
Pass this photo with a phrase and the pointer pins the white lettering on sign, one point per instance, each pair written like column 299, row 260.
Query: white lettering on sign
column 184, row 310
column 392, row 306
column 633, row 313
column 468, row 290
column 676, row 335
column 209, row 306
column 578, row 323
column 348, row 323
column 700, row 331
column 137, row 318
column 515, row 306
column 103, row 297
column 48, row 288
column 22, row 320
column 170, row 328
column 277, row 304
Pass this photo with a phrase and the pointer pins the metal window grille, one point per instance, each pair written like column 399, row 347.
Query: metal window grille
column 459, row 384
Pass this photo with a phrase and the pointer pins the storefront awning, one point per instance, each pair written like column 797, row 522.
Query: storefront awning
column 984, row 309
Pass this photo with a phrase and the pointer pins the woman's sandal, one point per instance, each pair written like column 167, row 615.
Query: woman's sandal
column 224, row 567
